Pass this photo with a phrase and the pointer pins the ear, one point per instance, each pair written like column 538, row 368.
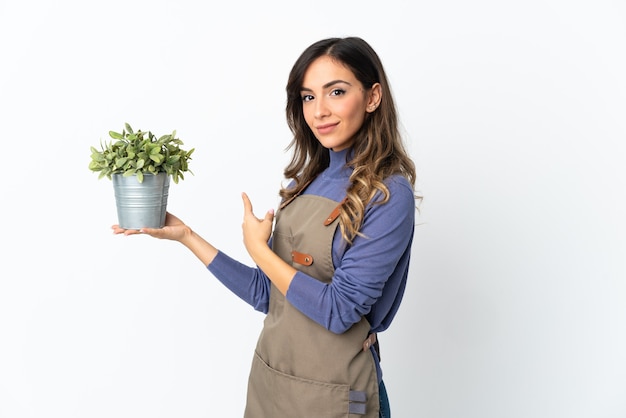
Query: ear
column 375, row 96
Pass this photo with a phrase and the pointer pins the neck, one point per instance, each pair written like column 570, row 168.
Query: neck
column 337, row 166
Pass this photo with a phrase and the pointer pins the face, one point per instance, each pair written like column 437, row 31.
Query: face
column 335, row 103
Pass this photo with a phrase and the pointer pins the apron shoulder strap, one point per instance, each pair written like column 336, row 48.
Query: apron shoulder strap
column 335, row 213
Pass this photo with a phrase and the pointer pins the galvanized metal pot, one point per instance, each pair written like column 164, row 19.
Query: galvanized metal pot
column 143, row 204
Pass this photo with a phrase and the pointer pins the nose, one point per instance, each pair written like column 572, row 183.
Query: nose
column 321, row 110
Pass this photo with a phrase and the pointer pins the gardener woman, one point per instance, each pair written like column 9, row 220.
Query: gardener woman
column 332, row 272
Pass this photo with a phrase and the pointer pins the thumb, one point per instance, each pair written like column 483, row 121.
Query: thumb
column 269, row 216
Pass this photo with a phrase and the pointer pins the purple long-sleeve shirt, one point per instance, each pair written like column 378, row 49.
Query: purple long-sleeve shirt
column 370, row 275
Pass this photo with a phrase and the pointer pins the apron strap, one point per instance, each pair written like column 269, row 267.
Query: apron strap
column 288, row 201
column 333, row 215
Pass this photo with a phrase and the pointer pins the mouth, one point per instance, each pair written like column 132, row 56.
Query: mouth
column 325, row 129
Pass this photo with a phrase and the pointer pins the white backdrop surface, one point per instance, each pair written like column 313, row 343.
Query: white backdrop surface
column 515, row 113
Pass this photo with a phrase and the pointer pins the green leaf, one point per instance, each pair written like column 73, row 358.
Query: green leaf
column 119, row 162
column 173, row 159
column 157, row 158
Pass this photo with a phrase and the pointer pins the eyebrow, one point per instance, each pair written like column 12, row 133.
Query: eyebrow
column 327, row 85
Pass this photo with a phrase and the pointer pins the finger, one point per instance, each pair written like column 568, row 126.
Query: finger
column 119, row 230
column 247, row 205
column 269, row 216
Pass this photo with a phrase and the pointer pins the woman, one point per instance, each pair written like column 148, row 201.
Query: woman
column 332, row 272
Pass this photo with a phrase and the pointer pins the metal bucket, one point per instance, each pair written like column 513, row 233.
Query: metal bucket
column 143, row 204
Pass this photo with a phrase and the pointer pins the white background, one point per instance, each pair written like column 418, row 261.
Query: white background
column 515, row 113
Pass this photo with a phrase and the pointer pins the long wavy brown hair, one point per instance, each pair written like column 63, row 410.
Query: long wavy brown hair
column 378, row 151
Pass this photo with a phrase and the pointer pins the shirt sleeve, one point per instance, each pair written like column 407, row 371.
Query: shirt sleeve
column 365, row 267
column 249, row 283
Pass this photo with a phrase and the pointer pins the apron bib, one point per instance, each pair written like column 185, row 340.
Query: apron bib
column 300, row 369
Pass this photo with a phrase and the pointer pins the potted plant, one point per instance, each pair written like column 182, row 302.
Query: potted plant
column 140, row 165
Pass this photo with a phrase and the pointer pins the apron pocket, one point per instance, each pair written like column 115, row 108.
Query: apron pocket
column 272, row 393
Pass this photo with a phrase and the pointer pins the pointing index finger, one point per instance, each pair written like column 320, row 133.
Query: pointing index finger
column 247, row 205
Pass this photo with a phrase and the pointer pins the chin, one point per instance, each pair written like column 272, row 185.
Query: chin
column 333, row 146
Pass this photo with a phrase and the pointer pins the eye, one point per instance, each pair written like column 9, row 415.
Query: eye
column 337, row 92
column 307, row 98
